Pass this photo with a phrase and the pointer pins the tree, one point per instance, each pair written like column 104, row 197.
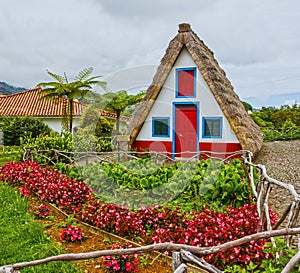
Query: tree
column 118, row 102
column 64, row 90
column 247, row 106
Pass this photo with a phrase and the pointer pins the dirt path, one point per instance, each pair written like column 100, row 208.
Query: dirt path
column 282, row 160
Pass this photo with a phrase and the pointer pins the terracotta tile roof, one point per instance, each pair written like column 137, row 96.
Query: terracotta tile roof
column 107, row 114
column 29, row 103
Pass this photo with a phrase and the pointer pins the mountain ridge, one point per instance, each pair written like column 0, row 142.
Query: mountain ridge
column 7, row 89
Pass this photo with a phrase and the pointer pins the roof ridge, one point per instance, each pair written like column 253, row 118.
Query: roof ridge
column 22, row 92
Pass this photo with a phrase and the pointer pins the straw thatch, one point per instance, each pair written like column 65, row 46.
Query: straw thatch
column 247, row 132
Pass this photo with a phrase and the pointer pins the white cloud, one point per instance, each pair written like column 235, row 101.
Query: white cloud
column 256, row 42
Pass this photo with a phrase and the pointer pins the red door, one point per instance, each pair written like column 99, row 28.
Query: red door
column 186, row 130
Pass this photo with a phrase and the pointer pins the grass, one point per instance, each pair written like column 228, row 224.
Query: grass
column 22, row 239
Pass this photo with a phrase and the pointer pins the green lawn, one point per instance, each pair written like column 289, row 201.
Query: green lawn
column 22, row 239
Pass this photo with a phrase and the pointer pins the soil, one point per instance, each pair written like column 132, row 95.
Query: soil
column 94, row 240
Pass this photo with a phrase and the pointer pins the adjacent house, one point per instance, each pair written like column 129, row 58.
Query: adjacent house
column 191, row 106
column 29, row 103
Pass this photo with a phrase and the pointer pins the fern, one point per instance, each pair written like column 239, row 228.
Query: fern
column 85, row 73
column 59, row 78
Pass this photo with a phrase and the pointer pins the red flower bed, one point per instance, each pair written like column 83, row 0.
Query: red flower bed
column 51, row 185
column 152, row 225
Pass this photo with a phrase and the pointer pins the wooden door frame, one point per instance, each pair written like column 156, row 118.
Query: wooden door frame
column 175, row 104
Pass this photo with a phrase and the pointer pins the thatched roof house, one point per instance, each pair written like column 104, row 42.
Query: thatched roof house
column 189, row 63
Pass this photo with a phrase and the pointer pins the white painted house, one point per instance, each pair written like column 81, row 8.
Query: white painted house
column 191, row 107
column 29, row 103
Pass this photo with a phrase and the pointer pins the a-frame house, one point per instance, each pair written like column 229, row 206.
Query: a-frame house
column 191, row 106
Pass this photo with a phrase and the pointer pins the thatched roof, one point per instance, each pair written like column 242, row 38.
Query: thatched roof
column 247, row 132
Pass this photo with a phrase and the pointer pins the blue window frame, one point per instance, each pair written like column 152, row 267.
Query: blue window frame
column 186, row 82
column 160, row 126
column 212, row 127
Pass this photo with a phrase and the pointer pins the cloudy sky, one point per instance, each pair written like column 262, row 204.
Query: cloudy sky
column 256, row 42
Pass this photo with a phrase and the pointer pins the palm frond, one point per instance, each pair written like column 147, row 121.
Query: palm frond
column 57, row 77
column 66, row 78
column 83, row 74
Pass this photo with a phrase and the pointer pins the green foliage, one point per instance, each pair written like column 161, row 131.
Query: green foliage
column 192, row 185
column 271, row 265
column 279, row 123
column 61, row 142
column 93, row 133
column 22, row 239
column 10, row 153
column 247, row 106
column 15, row 130
column 118, row 102
column 69, row 170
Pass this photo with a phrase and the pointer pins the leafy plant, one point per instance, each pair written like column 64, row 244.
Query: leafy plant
column 154, row 224
column 61, row 142
column 72, row 234
column 270, row 264
column 122, row 263
column 40, row 211
column 10, row 153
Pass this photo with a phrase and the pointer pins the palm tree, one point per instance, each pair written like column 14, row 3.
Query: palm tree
column 117, row 103
column 63, row 90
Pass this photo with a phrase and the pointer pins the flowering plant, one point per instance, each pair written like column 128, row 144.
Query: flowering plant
column 72, row 233
column 24, row 191
column 40, row 211
column 121, row 263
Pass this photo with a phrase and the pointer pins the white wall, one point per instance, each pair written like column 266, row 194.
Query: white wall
column 55, row 122
column 207, row 104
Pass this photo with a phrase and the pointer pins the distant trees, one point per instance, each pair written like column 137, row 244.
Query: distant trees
column 277, row 117
column 247, row 106
column 279, row 123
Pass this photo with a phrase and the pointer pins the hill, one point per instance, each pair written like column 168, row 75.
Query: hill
column 6, row 89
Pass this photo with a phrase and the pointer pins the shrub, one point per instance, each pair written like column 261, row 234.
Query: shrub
column 15, row 130
column 61, row 142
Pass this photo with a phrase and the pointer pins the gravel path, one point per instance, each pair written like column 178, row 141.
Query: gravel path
column 282, row 160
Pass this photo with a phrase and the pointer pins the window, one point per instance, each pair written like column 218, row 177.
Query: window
column 160, row 127
column 185, row 82
column 212, row 127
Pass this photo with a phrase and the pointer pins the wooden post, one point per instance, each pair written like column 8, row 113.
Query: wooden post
column 176, row 263
column 181, row 269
